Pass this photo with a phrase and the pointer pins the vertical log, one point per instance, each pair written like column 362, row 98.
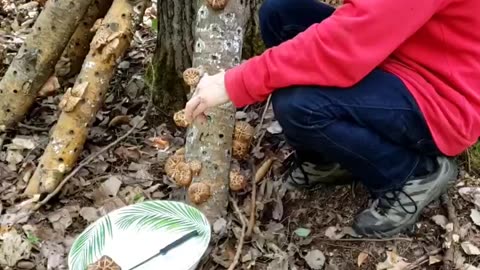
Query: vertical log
column 218, row 46
column 173, row 53
column 35, row 62
column 78, row 46
column 81, row 103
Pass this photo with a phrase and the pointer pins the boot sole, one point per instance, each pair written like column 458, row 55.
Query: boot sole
column 414, row 218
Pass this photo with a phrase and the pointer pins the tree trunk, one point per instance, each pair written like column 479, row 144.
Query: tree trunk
column 78, row 46
column 81, row 103
column 173, row 53
column 218, row 46
column 35, row 62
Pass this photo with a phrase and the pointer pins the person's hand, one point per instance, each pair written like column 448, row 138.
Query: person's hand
column 210, row 92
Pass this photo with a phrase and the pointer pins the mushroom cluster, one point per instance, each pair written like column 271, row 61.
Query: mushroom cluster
column 242, row 137
column 180, row 170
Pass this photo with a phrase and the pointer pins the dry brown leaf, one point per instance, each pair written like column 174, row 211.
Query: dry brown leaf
column 434, row 259
column 50, row 87
column 469, row 248
column 119, row 120
column 263, row 170
column 470, row 194
column 440, row 220
column 131, row 153
column 315, row 259
column 361, row 258
column 392, row 262
column 160, row 143
column 475, row 215
column 13, row 248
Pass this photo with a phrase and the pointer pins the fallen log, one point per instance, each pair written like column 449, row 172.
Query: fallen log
column 72, row 57
column 81, row 103
column 36, row 59
column 219, row 32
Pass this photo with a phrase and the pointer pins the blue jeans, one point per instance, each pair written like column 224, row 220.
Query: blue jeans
column 373, row 129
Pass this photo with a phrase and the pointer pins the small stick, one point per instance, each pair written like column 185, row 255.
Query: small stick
column 253, row 213
column 366, row 239
column 33, row 127
column 242, row 236
column 449, row 258
column 420, row 261
column 262, row 119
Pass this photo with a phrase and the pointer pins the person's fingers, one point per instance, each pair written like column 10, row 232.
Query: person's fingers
column 202, row 106
column 190, row 107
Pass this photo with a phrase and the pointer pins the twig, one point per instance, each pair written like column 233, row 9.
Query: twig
column 262, row 119
column 420, row 261
column 449, row 258
column 33, row 127
column 253, row 206
column 242, row 236
column 366, row 239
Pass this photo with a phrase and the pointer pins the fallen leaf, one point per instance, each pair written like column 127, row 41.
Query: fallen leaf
column 13, row 248
column 393, row 262
column 119, row 120
column 219, row 225
column 440, row 220
column 315, row 259
column 131, row 153
column 274, row 128
column 160, row 143
column 50, row 87
column 361, row 258
column 469, row 248
column 475, row 215
column 434, row 259
column 90, row 214
column 108, row 189
column 54, row 253
column 470, row 194
column 21, row 143
column 302, row 232
column 60, row 220
column 331, row 232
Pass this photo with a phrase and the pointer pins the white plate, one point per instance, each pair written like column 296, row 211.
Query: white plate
column 134, row 233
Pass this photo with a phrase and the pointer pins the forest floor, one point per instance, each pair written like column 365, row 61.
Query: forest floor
column 294, row 230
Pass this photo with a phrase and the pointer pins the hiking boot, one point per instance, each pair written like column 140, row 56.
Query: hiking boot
column 304, row 174
column 398, row 210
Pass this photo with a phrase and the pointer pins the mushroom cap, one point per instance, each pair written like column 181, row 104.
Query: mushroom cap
column 237, row 181
column 179, row 118
column 104, row 263
column 240, row 149
column 182, row 174
column 191, row 76
column 171, row 164
column 217, row 4
column 195, row 166
column 199, row 192
column 243, row 131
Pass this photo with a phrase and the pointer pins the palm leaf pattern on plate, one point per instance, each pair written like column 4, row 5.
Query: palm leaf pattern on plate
column 171, row 216
column 90, row 244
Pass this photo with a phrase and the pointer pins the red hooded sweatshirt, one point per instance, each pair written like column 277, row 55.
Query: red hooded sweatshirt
column 433, row 46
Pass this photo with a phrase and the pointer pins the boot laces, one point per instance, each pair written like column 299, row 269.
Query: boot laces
column 386, row 202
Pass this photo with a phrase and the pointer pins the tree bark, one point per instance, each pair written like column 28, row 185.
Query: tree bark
column 218, row 46
column 35, row 62
column 72, row 58
column 173, row 53
column 81, row 103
